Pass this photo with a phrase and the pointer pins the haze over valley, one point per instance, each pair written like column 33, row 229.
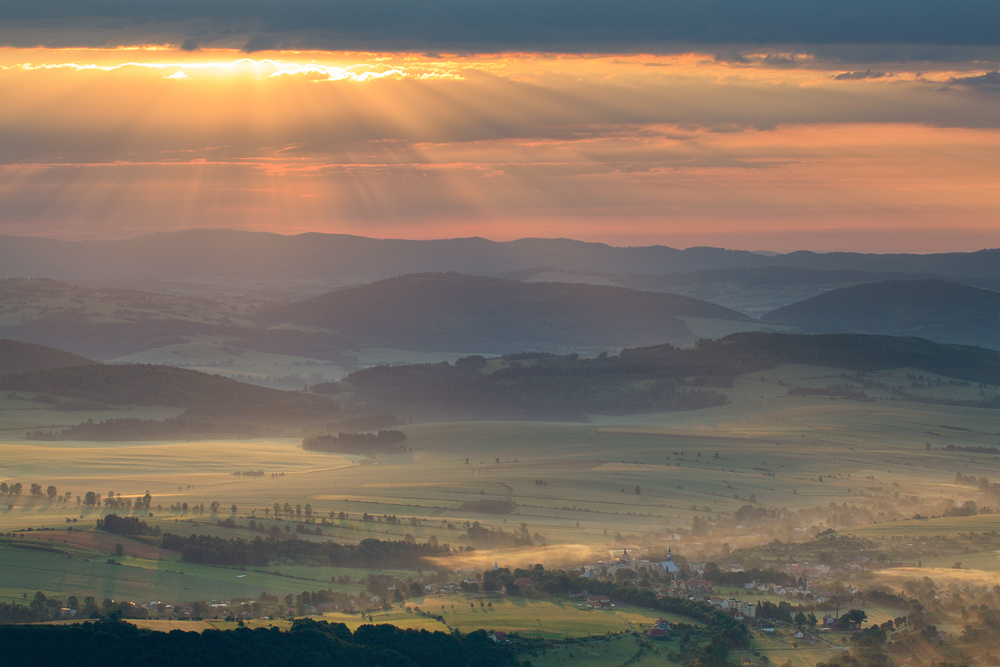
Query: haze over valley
column 492, row 333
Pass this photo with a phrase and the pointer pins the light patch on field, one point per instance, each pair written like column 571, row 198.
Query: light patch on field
column 941, row 576
column 553, row 557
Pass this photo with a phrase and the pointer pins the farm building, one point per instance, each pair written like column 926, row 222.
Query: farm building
column 599, row 602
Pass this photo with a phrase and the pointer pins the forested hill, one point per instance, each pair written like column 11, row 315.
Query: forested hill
column 142, row 384
column 935, row 309
column 447, row 312
column 18, row 357
column 651, row 379
column 747, row 352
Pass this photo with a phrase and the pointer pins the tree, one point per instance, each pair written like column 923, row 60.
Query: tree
column 90, row 606
column 15, row 489
column 298, row 510
column 852, row 619
column 309, row 511
column 90, row 499
column 51, row 492
column 636, row 490
column 812, row 620
column 4, row 488
column 36, row 490
column 72, row 602
column 233, row 508
column 800, row 620
column 215, row 506
column 119, row 549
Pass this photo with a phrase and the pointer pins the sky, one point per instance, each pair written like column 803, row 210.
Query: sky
column 776, row 126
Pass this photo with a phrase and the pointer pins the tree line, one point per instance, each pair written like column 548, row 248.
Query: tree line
column 383, row 442
column 110, row 643
column 370, row 553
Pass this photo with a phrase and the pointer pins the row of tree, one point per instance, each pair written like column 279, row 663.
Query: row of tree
column 371, row 554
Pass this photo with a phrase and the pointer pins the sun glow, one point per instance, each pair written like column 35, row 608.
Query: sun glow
column 685, row 149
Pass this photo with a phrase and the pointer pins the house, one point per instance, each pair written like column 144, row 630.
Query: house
column 700, row 585
column 829, row 621
column 499, row 636
column 657, row 633
column 747, row 609
column 747, row 660
column 524, row 583
column 599, row 602
column 662, row 624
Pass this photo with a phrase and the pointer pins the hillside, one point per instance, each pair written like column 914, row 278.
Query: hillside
column 933, row 309
column 752, row 291
column 18, row 357
column 448, row 312
column 198, row 255
column 651, row 379
column 140, row 384
column 107, row 323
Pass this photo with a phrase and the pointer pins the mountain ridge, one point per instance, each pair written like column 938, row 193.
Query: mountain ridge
column 349, row 259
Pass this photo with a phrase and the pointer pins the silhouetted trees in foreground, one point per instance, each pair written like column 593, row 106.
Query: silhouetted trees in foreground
column 111, row 642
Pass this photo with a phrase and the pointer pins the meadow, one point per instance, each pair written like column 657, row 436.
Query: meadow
column 585, row 490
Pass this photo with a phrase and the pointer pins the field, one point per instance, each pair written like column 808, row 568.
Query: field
column 584, row 490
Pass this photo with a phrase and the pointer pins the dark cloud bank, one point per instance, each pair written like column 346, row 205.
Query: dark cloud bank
column 500, row 25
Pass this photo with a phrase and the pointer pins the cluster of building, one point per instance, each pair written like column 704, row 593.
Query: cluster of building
column 610, row 567
column 660, row 630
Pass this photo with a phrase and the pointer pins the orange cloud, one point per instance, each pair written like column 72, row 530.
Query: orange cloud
column 680, row 149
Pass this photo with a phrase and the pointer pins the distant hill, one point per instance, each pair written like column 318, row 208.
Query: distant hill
column 338, row 259
column 650, row 379
column 752, row 291
column 934, row 309
column 452, row 312
column 18, row 357
column 108, row 323
column 143, row 384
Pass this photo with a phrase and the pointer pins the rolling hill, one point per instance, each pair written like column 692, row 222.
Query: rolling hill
column 204, row 255
column 453, row 312
column 933, row 309
column 752, row 291
column 144, row 384
column 18, row 357
column 651, row 379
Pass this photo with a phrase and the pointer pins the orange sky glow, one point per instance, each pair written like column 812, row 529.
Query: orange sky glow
column 679, row 150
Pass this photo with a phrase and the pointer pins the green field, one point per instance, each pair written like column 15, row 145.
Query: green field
column 800, row 454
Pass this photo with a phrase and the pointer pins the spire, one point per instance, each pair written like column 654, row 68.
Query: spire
column 496, row 565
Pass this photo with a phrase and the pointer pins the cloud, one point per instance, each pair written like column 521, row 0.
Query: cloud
column 731, row 57
column 190, row 44
column 989, row 81
column 867, row 74
column 488, row 26
column 259, row 43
